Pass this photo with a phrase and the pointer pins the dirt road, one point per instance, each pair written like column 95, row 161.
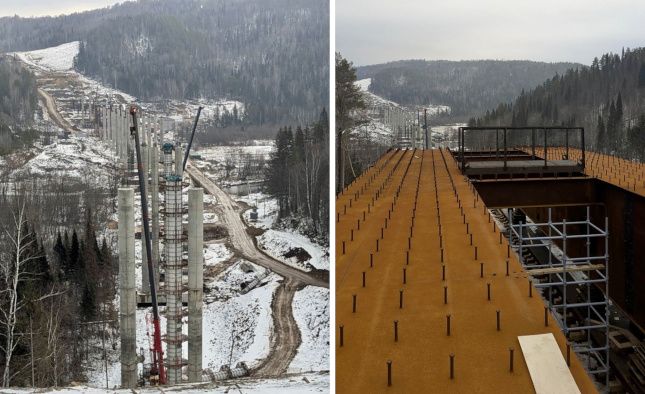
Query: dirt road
column 242, row 241
column 50, row 104
column 285, row 339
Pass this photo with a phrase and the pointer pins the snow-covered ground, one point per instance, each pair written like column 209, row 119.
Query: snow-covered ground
column 239, row 329
column 235, row 165
column 291, row 384
column 278, row 242
column 82, row 158
column 364, row 84
column 375, row 131
column 372, row 99
column 59, row 58
column 232, row 281
column 311, row 311
column 445, row 136
column 253, row 147
column 216, row 253
column 267, row 209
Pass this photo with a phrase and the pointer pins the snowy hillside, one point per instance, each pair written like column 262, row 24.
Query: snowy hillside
column 60, row 58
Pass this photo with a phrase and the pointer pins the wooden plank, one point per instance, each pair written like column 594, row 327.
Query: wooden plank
column 547, row 367
column 570, row 268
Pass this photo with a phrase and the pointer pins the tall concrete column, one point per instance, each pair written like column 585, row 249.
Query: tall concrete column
column 195, row 281
column 179, row 158
column 154, row 192
column 124, row 140
column 127, row 289
column 173, row 277
column 111, row 128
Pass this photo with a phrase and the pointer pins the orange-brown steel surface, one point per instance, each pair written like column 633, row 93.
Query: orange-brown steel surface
column 620, row 172
column 421, row 356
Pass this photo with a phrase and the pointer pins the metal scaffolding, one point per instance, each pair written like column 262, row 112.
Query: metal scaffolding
column 570, row 283
column 173, row 277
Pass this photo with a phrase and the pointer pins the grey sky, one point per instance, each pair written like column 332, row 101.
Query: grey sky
column 376, row 31
column 26, row 8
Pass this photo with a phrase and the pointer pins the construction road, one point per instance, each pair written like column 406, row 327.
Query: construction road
column 416, row 255
column 50, row 104
column 285, row 340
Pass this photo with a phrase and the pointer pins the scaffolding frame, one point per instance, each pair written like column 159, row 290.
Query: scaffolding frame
column 575, row 275
column 173, row 283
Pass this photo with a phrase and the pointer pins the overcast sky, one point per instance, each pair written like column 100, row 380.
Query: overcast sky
column 376, row 31
column 28, row 8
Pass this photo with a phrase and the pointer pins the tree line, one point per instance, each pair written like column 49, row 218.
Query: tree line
column 298, row 175
column 273, row 56
column 605, row 98
column 18, row 102
column 467, row 87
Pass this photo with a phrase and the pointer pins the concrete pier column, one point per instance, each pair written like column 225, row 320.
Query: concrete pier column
column 179, row 158
column 127, row 288
column 113, row 136
column 195, row 281
column 154, row 192
column 111, row 130
column 124, row 139
column 173, row 277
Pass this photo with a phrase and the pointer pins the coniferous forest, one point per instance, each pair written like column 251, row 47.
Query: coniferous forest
column 18, row 101
column 606, row 98
column 298, row 175
column 265, row 54
column 467, row 87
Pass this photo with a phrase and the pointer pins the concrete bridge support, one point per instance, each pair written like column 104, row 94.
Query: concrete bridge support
column 173, row 278
column 195, row 281
column 127, row 288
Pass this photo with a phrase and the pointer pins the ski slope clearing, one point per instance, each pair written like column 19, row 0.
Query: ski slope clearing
column 371, row 99
column 311, row 311
column 364, row 84
column 59, row 58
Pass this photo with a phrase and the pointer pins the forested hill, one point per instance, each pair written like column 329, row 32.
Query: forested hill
column 18, row 101
column 468, row 87
column 607, row 99
column 272, row 55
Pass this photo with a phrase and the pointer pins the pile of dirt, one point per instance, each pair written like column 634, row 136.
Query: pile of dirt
column 299, row 253
column 214, row 231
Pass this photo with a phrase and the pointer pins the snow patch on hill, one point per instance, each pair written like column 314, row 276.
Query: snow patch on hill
column 59, row 58
column 364, row 84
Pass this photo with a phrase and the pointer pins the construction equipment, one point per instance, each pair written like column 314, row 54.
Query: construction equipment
column 157, row 361
column 190, row 142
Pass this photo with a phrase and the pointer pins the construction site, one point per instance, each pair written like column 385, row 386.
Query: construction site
column 505, row 262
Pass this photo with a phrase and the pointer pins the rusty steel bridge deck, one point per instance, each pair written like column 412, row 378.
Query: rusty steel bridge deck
column 412, row 239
